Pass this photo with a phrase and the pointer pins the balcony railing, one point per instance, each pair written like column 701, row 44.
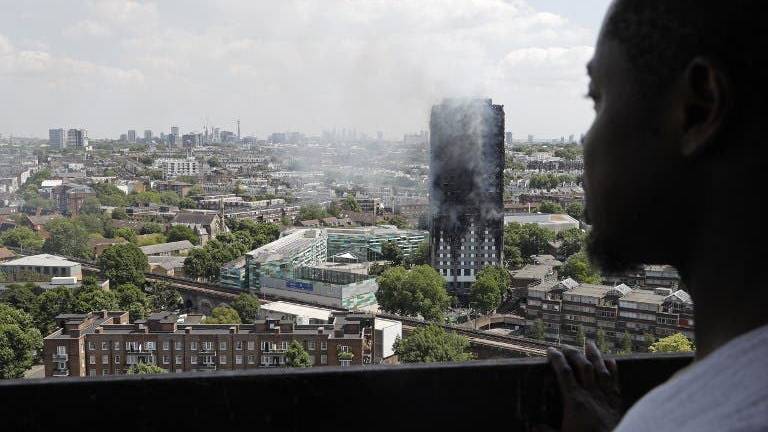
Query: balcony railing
column 60, row 372
column 510, row 394
column 60, row 357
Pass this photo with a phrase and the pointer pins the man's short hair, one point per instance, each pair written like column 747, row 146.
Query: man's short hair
column 661, row 37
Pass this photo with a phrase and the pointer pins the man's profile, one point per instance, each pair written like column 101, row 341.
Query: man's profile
column 674, row 161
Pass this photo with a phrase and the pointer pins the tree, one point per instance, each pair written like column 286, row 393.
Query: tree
column 152, row 228
column 247, row 306
column 601, row 342
column 21, row 237
column 127, row 233
column 537, row 330
column 124, row 263
column 132, row 299
column 390, row 251
column 578, row 268
column 432, row 344
column 93, row 298
column 162, row 297
column 119, row 213
column 420, row 291
column 528, row 239
column 550, row 208
column 198, row 264
column 575, row 210
column 648, row 340
column 675, row 343
column 312, row 211
column 626, row 343
column 421, row 255
column 351, row 204
column 67, row 238
column 20, row 342
column 50, row 303
column 571, row 241
column 222, row 315
column 580, row 338
column 398, row 221
column 489, row 288
column 91, row 205
column 296, row 356
column 182, row 232
column 145, row 369
column 21, row 297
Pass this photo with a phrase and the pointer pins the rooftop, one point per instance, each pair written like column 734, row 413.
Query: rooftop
column 298, row 310
column 287, row 246
column 42, row 260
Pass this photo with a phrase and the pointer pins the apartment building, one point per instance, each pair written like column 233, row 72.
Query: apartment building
column 566, row 306
column 178, row 167
column 105, row 343
column 365, row 243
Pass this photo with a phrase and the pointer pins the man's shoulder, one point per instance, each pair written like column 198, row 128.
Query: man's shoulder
column 727, row 390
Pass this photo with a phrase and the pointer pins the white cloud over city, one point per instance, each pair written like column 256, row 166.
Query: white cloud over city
column 287, row 64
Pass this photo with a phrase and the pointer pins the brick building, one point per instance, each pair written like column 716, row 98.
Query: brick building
column 565, row 306
column 105, row 343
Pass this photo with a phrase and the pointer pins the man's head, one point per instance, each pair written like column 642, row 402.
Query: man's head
column 678, row 88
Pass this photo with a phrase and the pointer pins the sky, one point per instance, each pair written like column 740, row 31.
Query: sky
column 291, row 65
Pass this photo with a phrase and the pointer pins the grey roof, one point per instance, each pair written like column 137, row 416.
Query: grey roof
column 533, row 271
column 620, row 290
column 568, row 284
column 166, row 247
column 42, row 260
column 590, row 290
column 167, row 262
column 644, row 296
column 287, row 246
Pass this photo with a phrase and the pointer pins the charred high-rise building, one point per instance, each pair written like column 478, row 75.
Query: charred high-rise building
column 466, row 189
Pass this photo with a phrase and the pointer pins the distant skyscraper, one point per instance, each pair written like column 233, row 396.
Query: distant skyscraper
column 508, row 139
column 238, row 129
column 571, row 139
column 175, row 130
column 57, row 138
column 131, row 136
column 530, row 139
column 465, row 190
column 147, row 136
column 77, row 138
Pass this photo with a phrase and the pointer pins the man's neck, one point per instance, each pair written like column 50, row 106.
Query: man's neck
column 723, row 277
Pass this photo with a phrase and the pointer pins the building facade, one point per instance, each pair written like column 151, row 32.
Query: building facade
column 173, row 168
column 105, row 343
column 365, row 243
column 466, row 189
column 565, row 307
column 57, row 138
column 77, row 138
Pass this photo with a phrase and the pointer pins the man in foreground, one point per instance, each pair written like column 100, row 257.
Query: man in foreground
column 672, row 161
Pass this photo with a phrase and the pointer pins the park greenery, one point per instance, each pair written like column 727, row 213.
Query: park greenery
column 579, row 268
column 247, row 307
column 416, row 292
column 521, row 241
column 674, row 343
column 432, row 344
column 489, row 289
column 296, row 356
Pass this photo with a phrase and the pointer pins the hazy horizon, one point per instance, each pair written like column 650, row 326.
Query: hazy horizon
column 109, row 66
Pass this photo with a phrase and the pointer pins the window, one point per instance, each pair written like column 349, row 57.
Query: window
column 178, row 345
column 193, row 359
column 345, row 362
column 131, row 346
column 92, row 372
column 105, row 372
column 343, row 348
column 104, row 346
column 312, row 360
column 117, row 346
column 284, row 345
column 251, row 345
column 323, row 346
column 166, row 360
column 61, row 350
column 208, row 346
column 250, row 359
column 166, row 345
column 239, row 359
column 92, row 359
column 311, row 345
column 222, row 346
column 193, row 346
column 117, row 358
column 91, row 346
column 265, row 346
column 222, row 359
column 239, row 345
column 323, row 359
column 104, row 359
column 178, row 359
column 150, row 346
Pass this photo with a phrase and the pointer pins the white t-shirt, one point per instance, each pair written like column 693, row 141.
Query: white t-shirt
column 725, row 391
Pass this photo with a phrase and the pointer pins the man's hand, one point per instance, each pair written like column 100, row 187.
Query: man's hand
column 589, row 387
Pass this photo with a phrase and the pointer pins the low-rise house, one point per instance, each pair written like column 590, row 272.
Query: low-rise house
column 206, row 225
column 167, row 265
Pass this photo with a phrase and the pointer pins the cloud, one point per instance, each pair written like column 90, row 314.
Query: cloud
column 306, row 65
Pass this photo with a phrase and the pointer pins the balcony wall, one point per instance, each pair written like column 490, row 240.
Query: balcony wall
column 514, row 394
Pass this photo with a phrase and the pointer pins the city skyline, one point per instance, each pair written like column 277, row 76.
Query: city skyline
column 372, row 67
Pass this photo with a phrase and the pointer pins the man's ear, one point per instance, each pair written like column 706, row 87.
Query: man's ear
column 706, row 99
